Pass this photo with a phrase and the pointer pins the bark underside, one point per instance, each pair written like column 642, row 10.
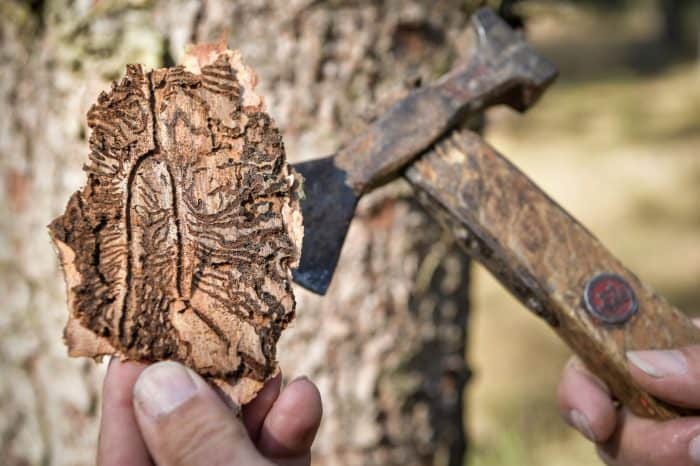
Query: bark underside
column 180, row 243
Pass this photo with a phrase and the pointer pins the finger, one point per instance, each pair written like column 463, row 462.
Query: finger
column 290, row 426
column 645, row 442
column 120, row 439
column 672, row 375
column 184, row 422
column 585, row 403
column 254, row 412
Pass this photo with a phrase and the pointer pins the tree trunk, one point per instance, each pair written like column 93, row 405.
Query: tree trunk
column 672, row 34
column 386, row 345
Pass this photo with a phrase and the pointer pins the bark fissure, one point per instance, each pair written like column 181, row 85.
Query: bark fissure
column 178, row 234
column 129, row 257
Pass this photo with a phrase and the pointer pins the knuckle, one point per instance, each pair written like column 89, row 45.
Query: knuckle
column 197, row 434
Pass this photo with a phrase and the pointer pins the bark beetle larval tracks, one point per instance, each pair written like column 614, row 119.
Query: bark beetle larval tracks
column 180, row 244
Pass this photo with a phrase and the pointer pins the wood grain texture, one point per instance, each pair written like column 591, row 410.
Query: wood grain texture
column 546, row 258
column 180, row 244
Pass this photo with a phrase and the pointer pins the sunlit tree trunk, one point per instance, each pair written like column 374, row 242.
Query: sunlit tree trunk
column 387, row 344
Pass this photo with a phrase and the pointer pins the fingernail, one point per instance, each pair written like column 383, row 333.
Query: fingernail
column 580, row 422
column 660, row 363
column 163, row 387
column 694, row 450
column 299, row 378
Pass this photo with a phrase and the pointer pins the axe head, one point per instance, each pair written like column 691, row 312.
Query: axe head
column 329, row 200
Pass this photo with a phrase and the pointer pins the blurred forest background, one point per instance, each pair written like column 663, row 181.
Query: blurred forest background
column 616, row 141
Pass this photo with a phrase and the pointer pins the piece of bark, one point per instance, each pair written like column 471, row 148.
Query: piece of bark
column 180, row 244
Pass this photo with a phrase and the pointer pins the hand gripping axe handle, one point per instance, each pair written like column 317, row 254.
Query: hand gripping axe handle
column 551, row 263
column 502, row 69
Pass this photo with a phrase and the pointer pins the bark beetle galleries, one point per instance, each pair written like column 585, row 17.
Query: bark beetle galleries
column 181, row 242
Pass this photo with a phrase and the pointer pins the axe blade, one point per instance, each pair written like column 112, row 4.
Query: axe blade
column 503, row 70
column 327, row 208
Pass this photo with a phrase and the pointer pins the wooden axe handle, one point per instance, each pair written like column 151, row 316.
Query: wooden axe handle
column 551, row 263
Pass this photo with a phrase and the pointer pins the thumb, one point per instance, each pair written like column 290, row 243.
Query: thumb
column 184, row 422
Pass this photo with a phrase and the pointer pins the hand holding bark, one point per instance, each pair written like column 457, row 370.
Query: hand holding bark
column 166, row 414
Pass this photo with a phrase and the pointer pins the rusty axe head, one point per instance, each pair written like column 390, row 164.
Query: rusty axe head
column 501, row 48
column 503, row 69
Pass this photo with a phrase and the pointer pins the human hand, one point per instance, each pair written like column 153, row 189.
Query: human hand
column 624, row 439
column 167, row 415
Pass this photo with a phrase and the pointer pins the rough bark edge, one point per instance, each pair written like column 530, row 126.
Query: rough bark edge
column 83, row 342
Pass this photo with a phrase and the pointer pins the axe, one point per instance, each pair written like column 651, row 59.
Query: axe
column 550, row 263
column 539, row 252
column 503, row 69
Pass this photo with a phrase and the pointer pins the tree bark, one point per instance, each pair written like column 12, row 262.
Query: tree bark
column 386, row 345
